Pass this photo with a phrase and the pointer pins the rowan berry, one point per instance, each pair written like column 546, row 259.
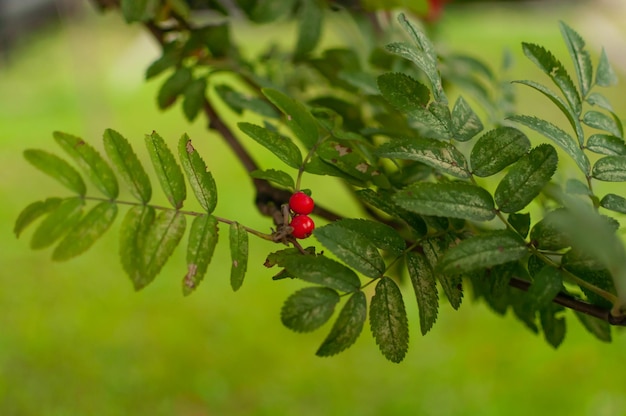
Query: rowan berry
column 301, row 203
column 302, row 226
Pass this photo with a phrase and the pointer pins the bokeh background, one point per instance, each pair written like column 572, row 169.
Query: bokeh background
column 75, row 339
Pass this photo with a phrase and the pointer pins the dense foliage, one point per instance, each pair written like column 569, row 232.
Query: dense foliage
column 461, row 194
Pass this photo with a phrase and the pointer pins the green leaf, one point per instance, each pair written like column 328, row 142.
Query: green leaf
column 451, row 283
column 520, row 222
column 278, row 177
column 381, row 235
column 163, row 237
column 128, row 165
column 482, row 251
column 85, row 233
column 614, row 203
column 90, row 162
column 556, row 71
column 546, row 285
column 580, row 57
column 139, row 10
column 347, row 327
column 595, row 98
column 173, row 86
column 440, row 155
column 465, row 122
column 605, row 144
column 350, row 247
column 57, row 223
column 269, row 11
column 167, row 170
column 276, row 143
column 203, row 236
column 545, row 235
column 425, row 287
column 299, row 119
column 193, row 98
column 347, row 158
column 605, row 76
column 403, row 92
column 601, row 329
column 497, row 149
column 382, row 201
column 553, row 328
column 451, row 199
column 576, row 187
column 133, row 235
column 610, row 169
column 558, row 136
column 601, row 121
column 388, row 320
column 421, row 53
column 309, row 308
column 320, row 270
column 201, row 181
column 586, row 267
column 310, row 20
column 239, row 254
column 56, row 168
column 525, row 180
column 171, row 56
column 562, row 105
column 34, row 211
column 238, row 102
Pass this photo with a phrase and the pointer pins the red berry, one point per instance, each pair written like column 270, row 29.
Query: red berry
column 302, row 226
column 301, row 203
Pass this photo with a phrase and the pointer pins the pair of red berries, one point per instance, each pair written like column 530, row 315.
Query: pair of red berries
column 301, row 204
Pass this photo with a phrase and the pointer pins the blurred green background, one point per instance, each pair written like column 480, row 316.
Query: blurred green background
column 76, row 339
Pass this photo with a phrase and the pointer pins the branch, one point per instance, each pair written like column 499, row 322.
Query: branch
column 575, row 304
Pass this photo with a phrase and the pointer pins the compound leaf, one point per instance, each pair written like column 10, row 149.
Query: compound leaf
column 201, row 180
column 310, row 21
column 91, row 163
column 193, row 98
column 60, row 220
column 614, row 203
column 133, row 234
column 173, row 86
column 280, row 178
column 56, row 168
column 403, row 92
column 299, row 119
column 465, row 123
column 451, row 199
column 128, row 165
column 599, row 328
column 605, row 76
column 238, row 238
column 610, row 169
column 167, row 170
column 580, row 57
column 552, row 67
column 497, row 149
column 482, row 251
column 381, row 235
column 546, row 285
column 163, row 237
column 309, row 308
column 601, row 121
column 353, row 249
column 276, row 143
column 564, row 140
column 320, row 270
column 440, row 155
column 203, row 237
column 388, row 320
column 425, row 288
column 526, row 179
column 34, row 211
column 605, row 144
column 85, row 233
column 347, row 327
